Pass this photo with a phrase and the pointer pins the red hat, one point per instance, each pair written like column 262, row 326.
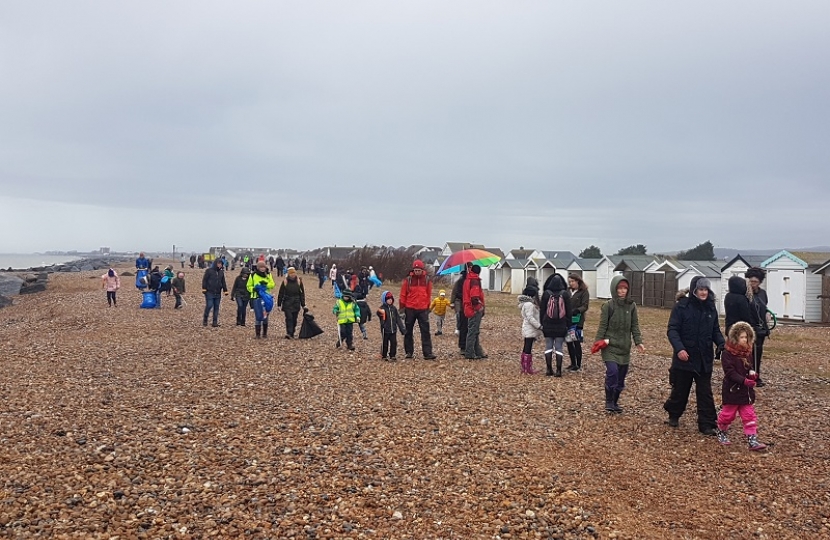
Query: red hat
column 418, row 264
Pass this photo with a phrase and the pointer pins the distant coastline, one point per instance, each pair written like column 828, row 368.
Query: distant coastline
column 24, row 261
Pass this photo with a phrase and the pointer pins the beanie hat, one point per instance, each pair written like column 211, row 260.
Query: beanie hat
column 476, row 269
column 442, row 292
column 111, row 273
column 386, row 296
column 291, row 270
column 418, row 264
column 702, row 283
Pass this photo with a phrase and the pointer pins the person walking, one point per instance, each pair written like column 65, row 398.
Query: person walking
column 457, row 304
column 179, row 289
column 438, row 307
column 111, row 282
column 618, row 324
column 213, row 286
column 737, row 304
column 739, row 381
column 291, row 299
column 260, row 277
column 755, row 277
column 320, row 270
column 241, row 295
column 416, row 293
column 580, row 299
column 333, row 277
column 555, row 316
column 474, row 311
column 304, row 265
column 347, row 314
column 694, row 332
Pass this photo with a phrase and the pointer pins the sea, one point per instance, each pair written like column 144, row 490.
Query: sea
column 22, row 261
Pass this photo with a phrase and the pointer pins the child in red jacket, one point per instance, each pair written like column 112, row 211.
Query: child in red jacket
column 739, row 382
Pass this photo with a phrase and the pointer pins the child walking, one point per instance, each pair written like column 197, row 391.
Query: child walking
column 111, row 282
column 178, row 289
column 347, row 314
column 439, row 308
column 390, row 324
column 531, row 327
column 739, row 382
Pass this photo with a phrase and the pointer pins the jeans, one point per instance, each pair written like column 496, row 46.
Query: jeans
column 679, row 397
column 211, row 303
column 554, row 344
column 241, row 310
column 422, row 317
column 473, row 349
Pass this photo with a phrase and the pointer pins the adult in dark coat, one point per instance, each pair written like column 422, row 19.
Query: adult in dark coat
column 213, row 285
column 694, row 332
column 457, row 303
column 580, row 299
column 291, row 298
column 240, row 294
column 737, row 305
column 759, row 302
column 555, row 327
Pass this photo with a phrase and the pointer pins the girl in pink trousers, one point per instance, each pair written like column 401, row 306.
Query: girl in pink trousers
column 111, row 282
column 739, row 386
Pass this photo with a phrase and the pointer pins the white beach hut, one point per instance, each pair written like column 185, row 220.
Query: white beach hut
column 793, row 287
column 736, row 267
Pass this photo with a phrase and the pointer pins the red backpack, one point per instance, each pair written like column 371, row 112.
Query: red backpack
column 556, row 306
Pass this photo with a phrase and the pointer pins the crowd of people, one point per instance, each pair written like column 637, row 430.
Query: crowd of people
column 554, row 315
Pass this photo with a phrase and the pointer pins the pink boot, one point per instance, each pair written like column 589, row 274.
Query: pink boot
column 528, row 362
column 524, row 364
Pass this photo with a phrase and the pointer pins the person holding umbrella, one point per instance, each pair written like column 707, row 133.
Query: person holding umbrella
column 415, row 297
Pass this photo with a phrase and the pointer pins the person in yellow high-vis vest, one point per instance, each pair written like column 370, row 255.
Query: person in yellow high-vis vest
column 348, row 313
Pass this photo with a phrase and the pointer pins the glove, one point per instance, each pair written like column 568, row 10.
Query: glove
column 752, row 375
column 599, row 345
column 749, row 383
column 718, row 351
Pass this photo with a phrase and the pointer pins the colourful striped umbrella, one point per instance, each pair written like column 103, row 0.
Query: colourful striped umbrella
column 459, row 260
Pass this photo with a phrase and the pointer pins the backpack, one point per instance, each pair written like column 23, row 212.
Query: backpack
column 556, row 306
column 475, row 291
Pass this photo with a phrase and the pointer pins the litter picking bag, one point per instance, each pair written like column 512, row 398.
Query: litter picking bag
column 309, row 328
column 149, row 300
column 141, row 279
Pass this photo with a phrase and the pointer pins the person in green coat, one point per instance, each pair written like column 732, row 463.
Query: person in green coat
column 618, row 324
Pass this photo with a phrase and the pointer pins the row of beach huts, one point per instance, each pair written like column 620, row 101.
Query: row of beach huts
column 797, row 283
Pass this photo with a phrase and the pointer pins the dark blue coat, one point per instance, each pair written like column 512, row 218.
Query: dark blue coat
column 695, row 328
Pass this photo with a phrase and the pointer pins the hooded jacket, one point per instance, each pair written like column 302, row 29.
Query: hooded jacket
column 457, row 294
column 291, row 296
column 619, row 323
column 112, row 283
column 240, row 286
column 213, row 282
column 472, row 305
column 531, row 327
column 256, row 278
column 735, row 371
column 695, row 328
column 737, row 304
column 555, row 328
column 439, row 305
column 416, row 292
column 390, row 319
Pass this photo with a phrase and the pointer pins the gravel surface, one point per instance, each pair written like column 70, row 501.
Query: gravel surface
column 135, row 423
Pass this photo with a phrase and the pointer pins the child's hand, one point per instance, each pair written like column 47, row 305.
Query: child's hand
column 641, row 348
column 749, row 383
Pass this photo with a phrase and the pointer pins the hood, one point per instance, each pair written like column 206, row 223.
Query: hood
column 523, row 298
column 383, row 296
column 739, row 327
column 532, row 282
column 737, row 285
column 616, row 281
column 555, row 283
column 216, row 263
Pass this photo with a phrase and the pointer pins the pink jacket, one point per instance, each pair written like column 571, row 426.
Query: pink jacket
column 112, row 283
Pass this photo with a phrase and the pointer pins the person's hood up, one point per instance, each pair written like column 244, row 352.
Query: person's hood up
column 523, row 298
column 532, row 282
column 555, row 283
column 216, row 263
column 616, row 281
column 737, row 285
column 111, row 272
column 736, row 329
column 384, row 296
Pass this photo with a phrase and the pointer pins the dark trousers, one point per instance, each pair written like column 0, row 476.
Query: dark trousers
column 615, row 376
column 575, row 352
column 178, row 300
column 347, row 334
column 241, row 310
column 111, row 298
column 390, row 345
column 291, row 322
column 322, row 280
column 473, row 349
column 679, row 397
column 422, row 316
column 528, row 346
column 759, row 352
column 462, row 331
column 212, row 303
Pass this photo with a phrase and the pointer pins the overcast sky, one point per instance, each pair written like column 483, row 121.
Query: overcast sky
column 553, row 125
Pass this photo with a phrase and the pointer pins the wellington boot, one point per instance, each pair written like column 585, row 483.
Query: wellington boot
column 530, row 370
column 264, row 329
column 258, row 330
column 549, row 364
column 559, row 358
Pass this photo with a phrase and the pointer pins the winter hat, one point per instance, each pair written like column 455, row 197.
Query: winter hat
column 386, row 296
column 476, row 269
column 702, row 283
column 246, row 270
column 442, row 292
column 346, row 293
column 111, row 273
column 418, row 264
column 291, row 270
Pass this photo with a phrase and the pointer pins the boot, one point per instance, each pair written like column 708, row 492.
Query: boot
column 549, row 363
column 524, row 364
column 258, row 330
column 723, row 437
column 615, row 397
column 573, row 367
column 609, row 400
column 204, row 321
column 264, row 329
column 755, row 444
column 579, row 362
column 559, row 357
column 530, row 370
